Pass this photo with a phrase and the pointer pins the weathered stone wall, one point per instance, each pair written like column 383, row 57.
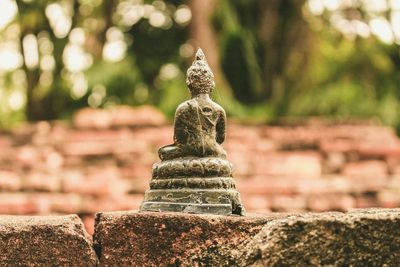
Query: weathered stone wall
column 356, row 238
column 169, row 239
column 45, row 241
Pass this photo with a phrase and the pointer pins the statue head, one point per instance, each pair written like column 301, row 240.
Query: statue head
column 199, row 77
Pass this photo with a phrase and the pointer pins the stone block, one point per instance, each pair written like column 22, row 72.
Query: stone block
column 357, row 238
column 171, row 239
column 369, row 237
column 44, row 241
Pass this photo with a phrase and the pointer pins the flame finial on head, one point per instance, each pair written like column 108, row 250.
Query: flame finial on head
column 199, row 77
column 200, row 55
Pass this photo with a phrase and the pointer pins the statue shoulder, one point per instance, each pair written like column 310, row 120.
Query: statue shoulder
column 184, row 106
column 218, row 108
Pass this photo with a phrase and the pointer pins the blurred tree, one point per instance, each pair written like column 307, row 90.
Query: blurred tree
column 38, row 23
column 42, row 102
column 263, row 45
column 354, row 69
column 279, row 57
column 203, row 35
column 85, row 39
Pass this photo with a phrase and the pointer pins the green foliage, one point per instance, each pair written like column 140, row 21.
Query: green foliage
column 119, row 83
column 347, row 79
column 237, row 22
column 172, row 93
column 262, row 47
column 278, row 59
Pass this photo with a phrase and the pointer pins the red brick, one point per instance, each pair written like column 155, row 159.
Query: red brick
column 54, row 160
column 41, row 135
column 99, row 182
column 389, row 198
column 265, row 145
column 65, row 203
column 361, row 132
column 92, row 118
column 143, row 115
column 28, row 156
column 88, row 222
column 267, row 185
column 334, row 162
column 338, row 145
column 369, row 168
column 366, row 201
column 288, row 203
column 155, row 136
column 325, row 185
column 122, row 202
column 300, row 164
column 81, row 143
column 393, row 182
column 74, row 162
column 138, row 185
column 242, row 166
column 7, row 155
column 9, row 181
column 19, row 204
column 326, row 202
column 137, row 171
column 239, row 146
column 292, row 137
column 5, row 141
column 88, row 148
column 58, row 132
column 380, row 148
column 130, row 146
column 393, row 163
column 45, row 202
column 241, row 132
column 97, row 135
column 361, row 184
column 39, row 181
column 256, row 203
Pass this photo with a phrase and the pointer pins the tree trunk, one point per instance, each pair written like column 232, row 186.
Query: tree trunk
column 204, row 37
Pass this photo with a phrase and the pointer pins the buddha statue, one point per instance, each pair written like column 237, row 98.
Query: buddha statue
column 194, row 175
column 199, row 122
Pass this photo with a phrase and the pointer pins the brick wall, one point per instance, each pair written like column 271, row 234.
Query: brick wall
column 356, row 238
column 103, row 162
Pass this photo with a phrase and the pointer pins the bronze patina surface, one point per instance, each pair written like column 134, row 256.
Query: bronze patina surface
column 194, row 175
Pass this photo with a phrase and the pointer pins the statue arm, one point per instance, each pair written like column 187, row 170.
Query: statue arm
column 220, row 128
column 179, row 132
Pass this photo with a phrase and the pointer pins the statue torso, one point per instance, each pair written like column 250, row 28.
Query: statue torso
column 195, row 125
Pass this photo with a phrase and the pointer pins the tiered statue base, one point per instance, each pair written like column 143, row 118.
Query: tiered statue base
column 193, row 185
